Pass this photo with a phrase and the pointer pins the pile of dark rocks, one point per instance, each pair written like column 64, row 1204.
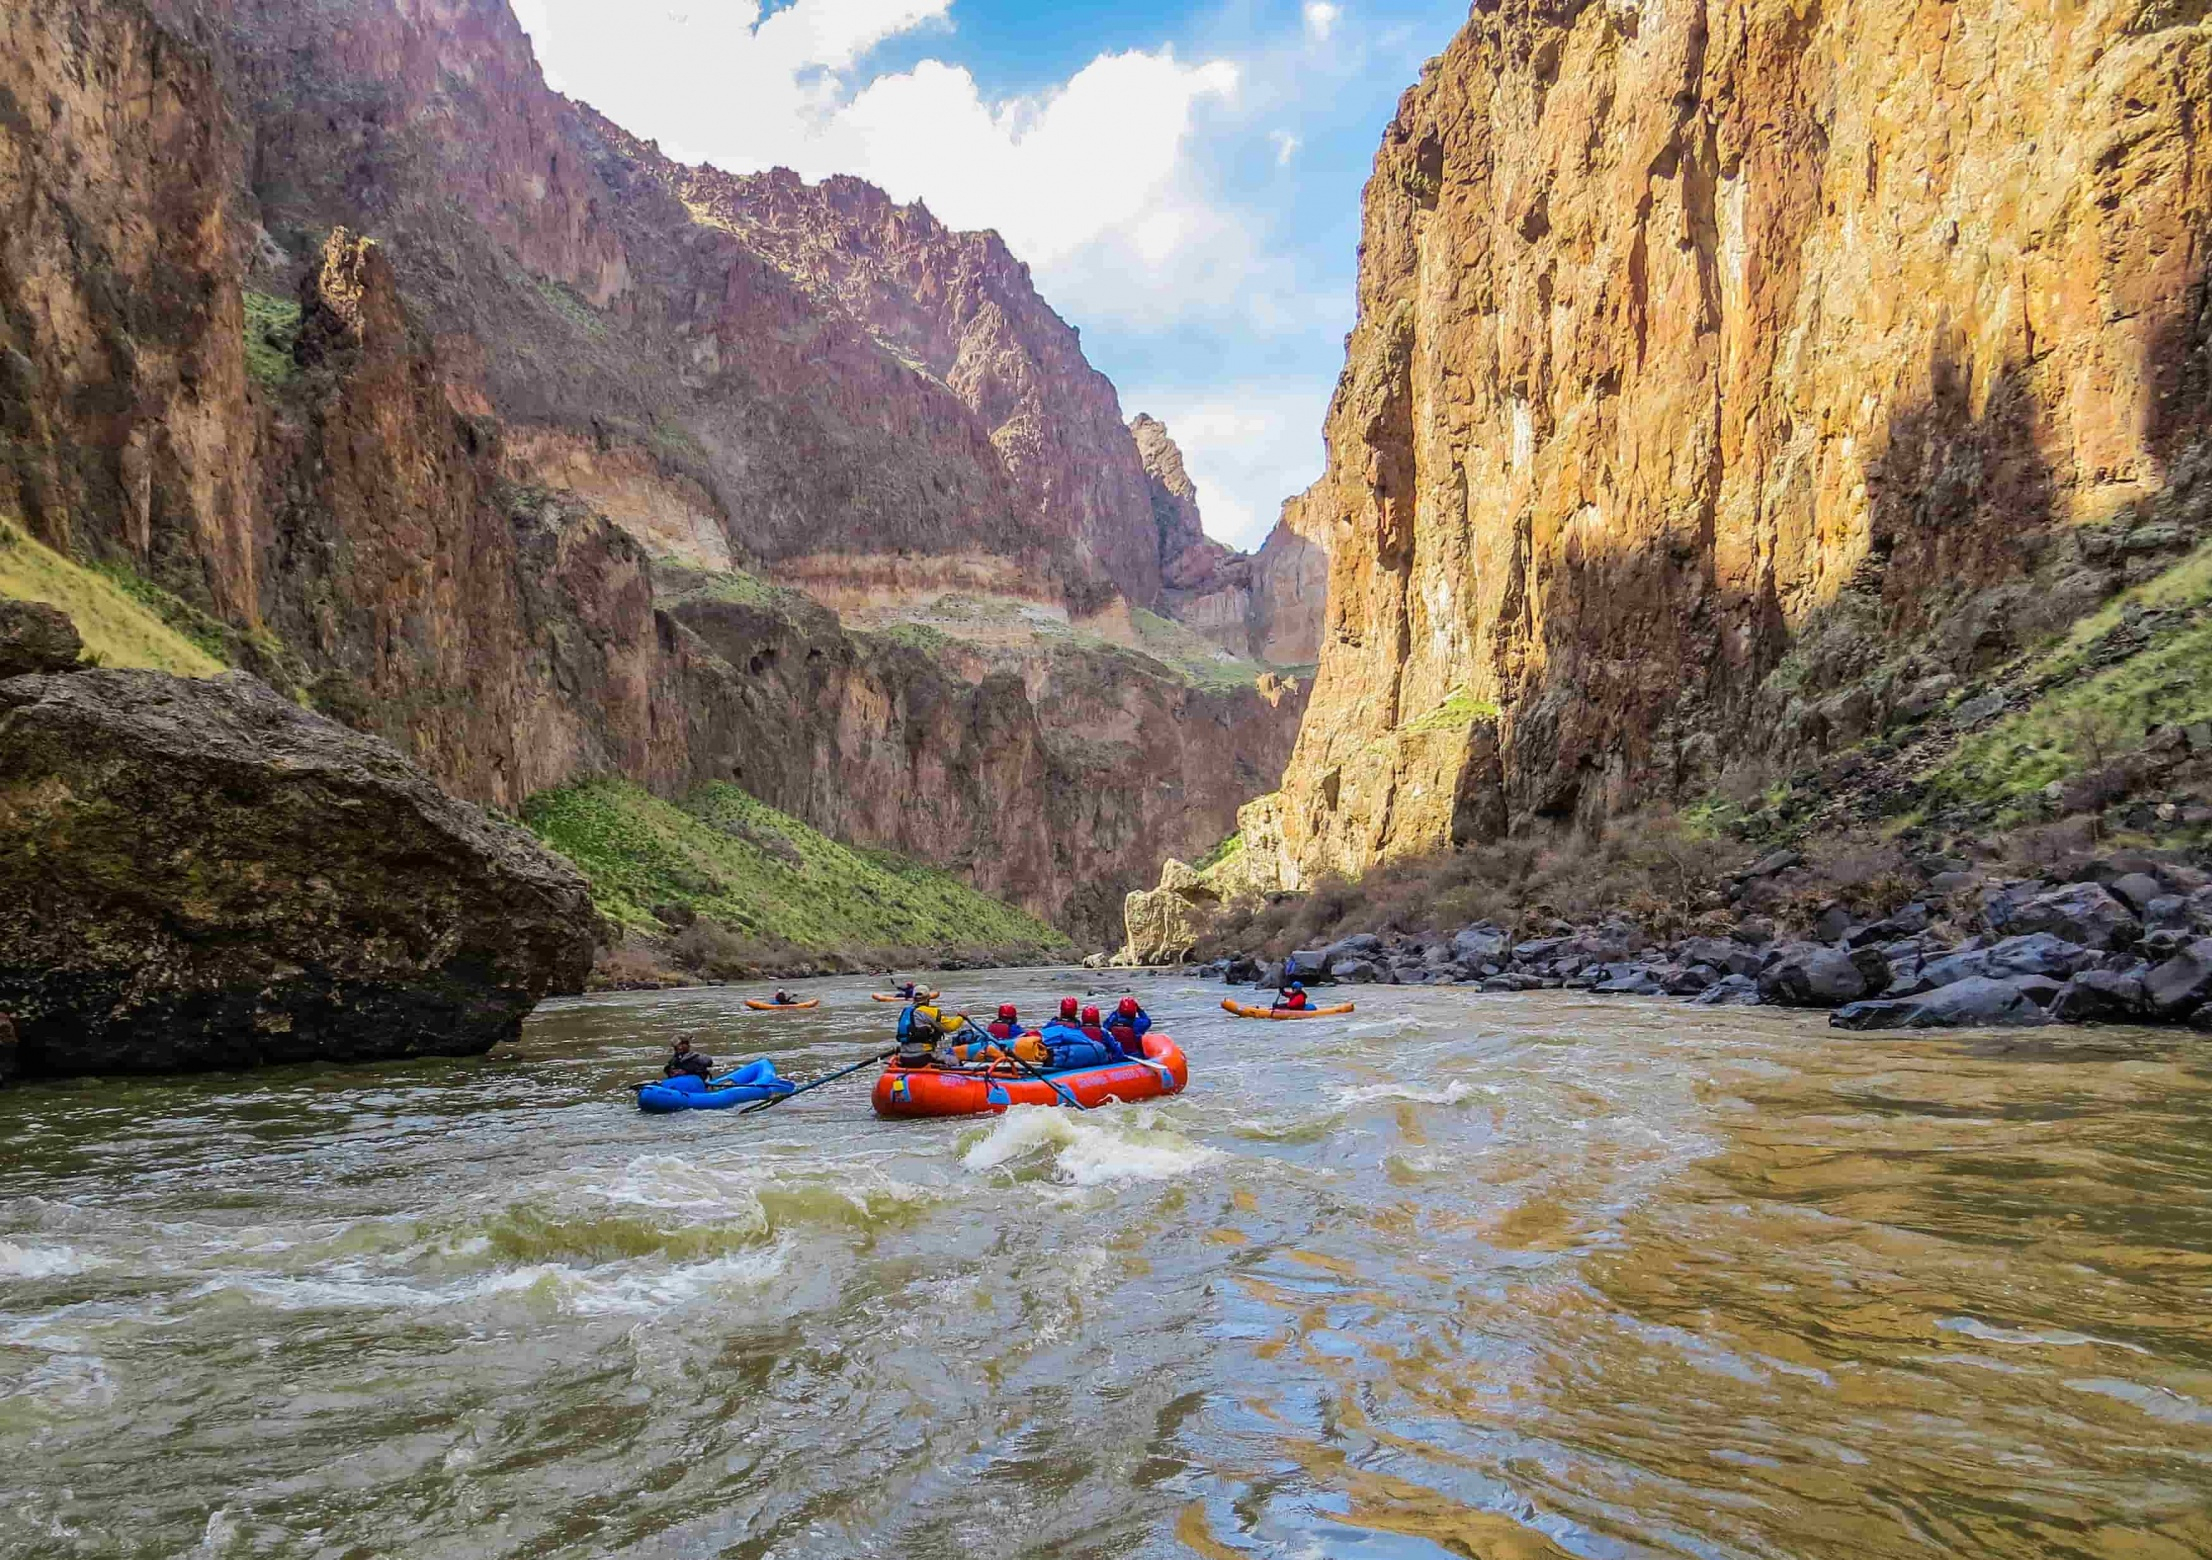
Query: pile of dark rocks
column 2118, row 939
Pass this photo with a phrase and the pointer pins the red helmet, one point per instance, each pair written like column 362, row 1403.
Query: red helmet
column 1090, row 1015
column 1068, row 1005
column 1006, row 1010
column 1129, row 1006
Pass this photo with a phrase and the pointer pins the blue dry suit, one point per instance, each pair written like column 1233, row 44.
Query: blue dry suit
column 1070, row 1047
column 1128, row 1030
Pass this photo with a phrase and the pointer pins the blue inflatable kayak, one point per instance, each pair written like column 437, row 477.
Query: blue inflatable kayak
column 753, row 1082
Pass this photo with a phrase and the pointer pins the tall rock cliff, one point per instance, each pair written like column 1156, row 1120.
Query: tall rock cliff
column 1722, row 365
column 1265, row 605
column 430, row 389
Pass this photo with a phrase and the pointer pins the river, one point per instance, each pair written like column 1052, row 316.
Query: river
column 1462, row 1275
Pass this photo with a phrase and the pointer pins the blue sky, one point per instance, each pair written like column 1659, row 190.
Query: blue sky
column 1183, row 176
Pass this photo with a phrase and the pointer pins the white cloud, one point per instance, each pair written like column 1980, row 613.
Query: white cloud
column 1100, row 158
column 1321, row 18
column 1247, row 448
column 1286, row 146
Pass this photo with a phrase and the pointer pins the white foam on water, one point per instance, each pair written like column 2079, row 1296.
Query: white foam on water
column 1086, row 1151
column 2158, row 1402
column 1458, row 1091
column 221, row 1532
column 1988, row 1332
column 642, row 1287
column 44, row 1261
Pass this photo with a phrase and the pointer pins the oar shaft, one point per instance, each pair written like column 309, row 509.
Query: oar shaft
column 1051, row 1083
column 806, row 1088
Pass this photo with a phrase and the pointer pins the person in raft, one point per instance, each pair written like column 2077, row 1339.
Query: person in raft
column 1127, row 1026
column 684, row 1060
column 922, row 1027
column 1002, row 1032
column 907, row 989
column 1292, row 997
column 783, row 998
column 1065, row 1042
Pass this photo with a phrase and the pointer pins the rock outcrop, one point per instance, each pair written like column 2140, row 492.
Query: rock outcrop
column 224, row 879
column 35, row 637
column 1718, row 378
column 1164, row 924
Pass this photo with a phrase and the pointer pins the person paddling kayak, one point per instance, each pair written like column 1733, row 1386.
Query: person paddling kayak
column 1291, row 997
column 683, row 1059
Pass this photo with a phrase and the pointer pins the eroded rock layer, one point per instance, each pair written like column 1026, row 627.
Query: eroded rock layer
column 1689, row 331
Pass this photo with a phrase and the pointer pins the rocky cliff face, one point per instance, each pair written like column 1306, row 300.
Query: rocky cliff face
column 1719, row 375
column 1266, row 606
column 511, row 368
column 961, row 309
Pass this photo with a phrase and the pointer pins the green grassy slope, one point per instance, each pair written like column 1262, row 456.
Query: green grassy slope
column 115, row 613
column 725, row 857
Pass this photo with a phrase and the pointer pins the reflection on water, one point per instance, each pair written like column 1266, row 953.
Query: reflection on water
column 1462, row 1275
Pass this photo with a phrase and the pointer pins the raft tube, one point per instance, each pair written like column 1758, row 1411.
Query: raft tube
column 782, row 1007
column 753, row 1082
column 1251, row 1010
column 919, row 996
column 936, row 1091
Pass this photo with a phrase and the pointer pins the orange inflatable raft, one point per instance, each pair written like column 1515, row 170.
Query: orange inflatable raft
column 782, row 1007
column 892, row 996
column 960, row 1091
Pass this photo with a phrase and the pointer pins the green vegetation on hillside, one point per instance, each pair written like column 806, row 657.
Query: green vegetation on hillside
column 120, row 617
column 673, row 582
column 272, row 326
column 1460, row 709
column 1222, row 851
column 1191, row 655
column 723, row 856
column 2084, row 724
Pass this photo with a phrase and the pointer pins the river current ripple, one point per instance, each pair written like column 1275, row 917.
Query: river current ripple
column 1462, row 1275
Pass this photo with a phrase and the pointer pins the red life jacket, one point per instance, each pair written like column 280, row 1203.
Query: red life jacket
column 1296, row 999
column 1000, row 1029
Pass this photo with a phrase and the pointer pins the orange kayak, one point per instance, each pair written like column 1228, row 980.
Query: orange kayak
column 946, row 1091
column 782, row 1007
column 922, row 996
column 1248, row 1010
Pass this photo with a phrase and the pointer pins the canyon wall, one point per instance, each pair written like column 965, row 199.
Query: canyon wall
column 430, row 391
column 1265, row 605
column 1722, row 366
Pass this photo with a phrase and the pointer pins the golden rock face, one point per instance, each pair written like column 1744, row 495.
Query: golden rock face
column 1678, row 320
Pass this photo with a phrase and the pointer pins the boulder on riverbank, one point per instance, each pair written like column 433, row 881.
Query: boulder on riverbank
column 206, row 875
column 2124, row 938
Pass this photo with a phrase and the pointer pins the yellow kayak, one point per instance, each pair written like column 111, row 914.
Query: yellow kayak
column 890, row 996
column 1248, row 1010
column 782, row 1007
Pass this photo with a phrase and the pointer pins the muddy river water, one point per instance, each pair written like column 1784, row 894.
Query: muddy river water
column 1460, row 1275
